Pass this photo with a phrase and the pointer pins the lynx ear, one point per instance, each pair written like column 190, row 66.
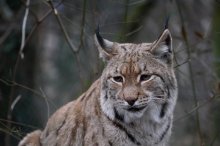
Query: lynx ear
column 162, row 48
column 105, row 47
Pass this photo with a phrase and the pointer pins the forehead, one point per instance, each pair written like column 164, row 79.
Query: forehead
column 131, row 48
column 133, row 53
column 129, row 53
column 133, row 59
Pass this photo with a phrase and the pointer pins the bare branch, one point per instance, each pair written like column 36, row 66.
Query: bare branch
column 71, row 45
column 48, row 107
column 83, row 23
column 15, row 102
column 185, row 38
column 20, row 124
column 24, row 29
column 187, row 60
column 195, row 109
column 12, row 83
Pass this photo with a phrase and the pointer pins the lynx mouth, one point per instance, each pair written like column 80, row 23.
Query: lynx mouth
column 135, row 109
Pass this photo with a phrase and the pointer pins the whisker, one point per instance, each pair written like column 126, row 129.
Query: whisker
column 147, row 100
column 155, row 98
column 159, row 95
column 119, row 103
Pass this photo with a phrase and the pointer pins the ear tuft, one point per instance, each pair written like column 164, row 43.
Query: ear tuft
column 105, row 47
column 99, row 37
column 167, row 22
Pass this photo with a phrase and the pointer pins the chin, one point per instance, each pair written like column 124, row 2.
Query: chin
column 131, row 115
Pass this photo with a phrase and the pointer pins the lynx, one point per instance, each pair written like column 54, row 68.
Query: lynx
column 131, row 104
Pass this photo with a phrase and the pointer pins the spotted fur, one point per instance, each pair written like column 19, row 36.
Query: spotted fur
column 131, row 104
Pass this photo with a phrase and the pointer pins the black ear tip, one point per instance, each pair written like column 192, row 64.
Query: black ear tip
column 167, row 22
column 99, row 37
column 97, row 31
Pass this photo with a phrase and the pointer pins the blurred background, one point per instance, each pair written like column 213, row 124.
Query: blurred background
column 48, row 58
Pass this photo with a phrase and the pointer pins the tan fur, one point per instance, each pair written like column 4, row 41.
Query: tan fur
column 123, row 107
column 32, row 139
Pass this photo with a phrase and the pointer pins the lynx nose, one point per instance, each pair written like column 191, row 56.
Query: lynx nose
column 131, row 101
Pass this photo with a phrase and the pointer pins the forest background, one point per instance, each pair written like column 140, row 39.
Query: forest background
column 48, row 58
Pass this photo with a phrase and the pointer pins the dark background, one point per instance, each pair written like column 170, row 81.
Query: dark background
column 60, row 60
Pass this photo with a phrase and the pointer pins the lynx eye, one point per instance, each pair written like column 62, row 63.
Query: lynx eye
column 145, row 77
column 118, row 79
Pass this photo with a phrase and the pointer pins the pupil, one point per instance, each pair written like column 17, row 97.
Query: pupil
column 118, row 79
column 144, row 77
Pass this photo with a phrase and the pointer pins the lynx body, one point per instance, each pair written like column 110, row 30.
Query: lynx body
column 131, row 103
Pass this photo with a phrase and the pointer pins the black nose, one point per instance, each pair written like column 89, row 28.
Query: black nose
column 131, row 101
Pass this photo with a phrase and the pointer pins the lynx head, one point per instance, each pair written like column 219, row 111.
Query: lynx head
column 138, row 80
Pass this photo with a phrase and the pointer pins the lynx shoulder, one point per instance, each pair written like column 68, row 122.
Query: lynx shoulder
column 131, row 103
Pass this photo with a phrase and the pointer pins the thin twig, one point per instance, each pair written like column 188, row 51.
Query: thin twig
column 136, row 2
column 185, row 38
column 48, row 107
column 12, row 83
column 184, row 62
column 134, row 31
column 125, row 20
column 7, row 33
column 39, row 21
column 24, row 29
column 82, row 24
column 194, row 109
column 12, row 90
column 71, row 45
column 120, row 22
column 20, row 124
column 15, row 102
column 7, row 136
column 9, row 133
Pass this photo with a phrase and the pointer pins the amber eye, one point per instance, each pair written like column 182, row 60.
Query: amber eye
column 118, row 79
column 144, row 77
